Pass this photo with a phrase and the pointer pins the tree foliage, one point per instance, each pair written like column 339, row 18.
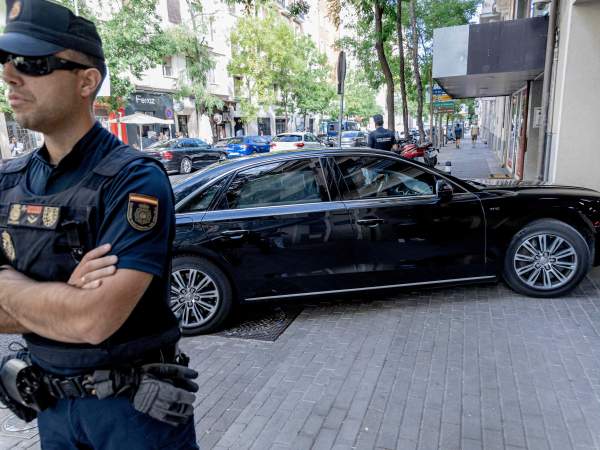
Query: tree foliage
column 133, row 41
column 277, row 67
column 430, row 14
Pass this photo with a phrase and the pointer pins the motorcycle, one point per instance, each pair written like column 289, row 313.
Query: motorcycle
column 424, row 153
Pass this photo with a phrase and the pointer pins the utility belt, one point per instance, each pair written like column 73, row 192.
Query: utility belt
column 164, row 390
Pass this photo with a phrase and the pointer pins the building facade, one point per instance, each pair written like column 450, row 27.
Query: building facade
column 511, row 119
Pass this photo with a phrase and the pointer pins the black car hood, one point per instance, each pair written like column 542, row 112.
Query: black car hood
column 520, row 186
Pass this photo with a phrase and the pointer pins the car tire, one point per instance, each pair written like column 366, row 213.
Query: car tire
column 547, row 258
column 185, row 166
column 190, row 277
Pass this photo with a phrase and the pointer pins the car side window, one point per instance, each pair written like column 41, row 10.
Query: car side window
column 202, row 201
column 364, row 177
column 281, row 183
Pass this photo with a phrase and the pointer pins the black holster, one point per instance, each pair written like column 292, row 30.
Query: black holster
column 22, row 389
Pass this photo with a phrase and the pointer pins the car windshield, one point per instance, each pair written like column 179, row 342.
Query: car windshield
column 350, row 134
column 288, row 138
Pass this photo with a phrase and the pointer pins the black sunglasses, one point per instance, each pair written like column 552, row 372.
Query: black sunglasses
column 38, row 66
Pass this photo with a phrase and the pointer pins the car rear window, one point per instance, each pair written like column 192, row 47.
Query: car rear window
column 288, row 138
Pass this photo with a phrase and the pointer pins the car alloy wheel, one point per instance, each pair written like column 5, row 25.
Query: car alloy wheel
column 195, row 298
column 547, row 258
column 186, row 166
column 545, row 261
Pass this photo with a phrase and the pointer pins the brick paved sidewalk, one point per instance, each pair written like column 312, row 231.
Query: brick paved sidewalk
column 470, row 161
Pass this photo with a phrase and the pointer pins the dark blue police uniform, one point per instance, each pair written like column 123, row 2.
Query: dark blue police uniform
column 112, row 422
column 100, row 192
column 382, row 139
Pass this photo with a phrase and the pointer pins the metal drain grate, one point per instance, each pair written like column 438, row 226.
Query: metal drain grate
column 262, row 324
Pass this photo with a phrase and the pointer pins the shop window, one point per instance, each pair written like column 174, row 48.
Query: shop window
column 280, row 126
column 264, row 126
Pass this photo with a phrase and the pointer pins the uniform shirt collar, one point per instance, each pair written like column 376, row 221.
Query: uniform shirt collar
column 77, row 155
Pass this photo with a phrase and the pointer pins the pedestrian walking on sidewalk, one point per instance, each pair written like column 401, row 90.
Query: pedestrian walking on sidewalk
column 86, row 238
column 474, row 133
column 458, row 132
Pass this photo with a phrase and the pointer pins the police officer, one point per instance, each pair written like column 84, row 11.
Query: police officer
column 381, row 138
column 101, row 369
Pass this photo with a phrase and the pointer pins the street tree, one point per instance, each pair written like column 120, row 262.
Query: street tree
column 359, row 98
column 402, row 66
column 372, row 28
column 314, row 92
column 415, row 64
column 188, row 40
column 276, row 66
column 133, row 41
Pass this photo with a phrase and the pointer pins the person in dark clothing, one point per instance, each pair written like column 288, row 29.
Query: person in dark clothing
column 458, row 132
column 86, row 235
column 381, row 138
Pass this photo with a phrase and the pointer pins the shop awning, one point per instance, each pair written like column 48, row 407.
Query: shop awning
column 142, row 119
column 490, row 59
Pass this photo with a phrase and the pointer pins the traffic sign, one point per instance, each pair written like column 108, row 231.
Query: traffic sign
column 444, row 105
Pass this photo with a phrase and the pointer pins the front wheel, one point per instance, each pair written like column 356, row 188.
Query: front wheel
column 547, row 258
column 201, row 296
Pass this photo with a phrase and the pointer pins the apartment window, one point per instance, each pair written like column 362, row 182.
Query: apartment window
column 168, row 67
column 210, row 76
column 237, row 87
column 174, row 11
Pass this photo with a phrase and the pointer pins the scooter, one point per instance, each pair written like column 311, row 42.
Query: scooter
column 424, row 153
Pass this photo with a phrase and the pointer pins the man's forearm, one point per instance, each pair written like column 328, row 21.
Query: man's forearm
column 8, row 325
column 53, row 310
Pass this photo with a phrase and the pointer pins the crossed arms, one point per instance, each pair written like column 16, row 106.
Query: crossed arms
column 89, row 308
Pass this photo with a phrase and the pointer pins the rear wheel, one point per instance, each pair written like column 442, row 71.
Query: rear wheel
column 201, row 296
column 185, row 166
column 547, row 258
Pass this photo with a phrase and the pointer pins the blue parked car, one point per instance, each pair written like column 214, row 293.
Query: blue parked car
column 246, row 145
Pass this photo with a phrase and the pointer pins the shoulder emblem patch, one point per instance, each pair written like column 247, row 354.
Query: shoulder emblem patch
column 142, row 212
column 8, row 246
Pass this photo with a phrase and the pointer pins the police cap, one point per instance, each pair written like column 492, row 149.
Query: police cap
column 378, row 119
column 42, row 28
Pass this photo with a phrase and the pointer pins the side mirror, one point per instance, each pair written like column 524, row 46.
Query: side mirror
column 444, row 190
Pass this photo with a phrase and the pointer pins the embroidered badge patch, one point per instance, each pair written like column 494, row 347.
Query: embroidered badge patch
column 14, row 216
column 34, row 216
column 15, row 11
column 142, row 212
column 8, row 246
column 50, row 216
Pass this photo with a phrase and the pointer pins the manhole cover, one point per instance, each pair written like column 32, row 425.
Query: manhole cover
column 263, row 324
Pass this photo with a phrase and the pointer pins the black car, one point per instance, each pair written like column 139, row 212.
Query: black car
column 298, row 224
column 182, row 155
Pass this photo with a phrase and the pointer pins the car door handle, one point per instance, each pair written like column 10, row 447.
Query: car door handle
column 370, row 222
column 234, row 234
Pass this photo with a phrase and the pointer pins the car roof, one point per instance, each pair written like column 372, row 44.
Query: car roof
column 277, row 155
column 231, row 165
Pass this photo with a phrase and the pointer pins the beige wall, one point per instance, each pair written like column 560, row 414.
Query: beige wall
column 575, row 157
